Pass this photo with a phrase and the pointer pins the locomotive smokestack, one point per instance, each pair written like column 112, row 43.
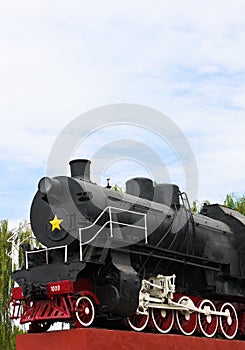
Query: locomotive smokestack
column 80, row 169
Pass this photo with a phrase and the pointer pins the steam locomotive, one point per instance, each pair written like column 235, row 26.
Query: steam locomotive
column 140, row 257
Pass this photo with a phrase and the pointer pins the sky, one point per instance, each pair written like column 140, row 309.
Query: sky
column 60, row 59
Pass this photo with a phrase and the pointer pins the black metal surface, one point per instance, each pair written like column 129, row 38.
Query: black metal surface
column 41, row 275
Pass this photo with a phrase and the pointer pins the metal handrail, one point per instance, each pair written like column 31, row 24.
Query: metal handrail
column 46, row 250
column 111, row 222
column 109, row 209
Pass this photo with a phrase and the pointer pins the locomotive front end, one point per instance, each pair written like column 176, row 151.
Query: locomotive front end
column 63, row 204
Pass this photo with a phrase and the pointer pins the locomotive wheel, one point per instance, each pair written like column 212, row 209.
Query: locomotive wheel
column 85, row 311
column 207, row 323
column 186, row 320
column 138, row 322
column 228, row 324
column 163, row 319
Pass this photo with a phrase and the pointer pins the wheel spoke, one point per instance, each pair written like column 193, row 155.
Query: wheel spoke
column 163, row 319
column 85, row 311
column 207, row 322
column 186, row 319
column 138, row 322
column 228, row 324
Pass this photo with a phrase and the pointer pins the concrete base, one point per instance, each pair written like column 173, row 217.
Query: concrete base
column 101, row 339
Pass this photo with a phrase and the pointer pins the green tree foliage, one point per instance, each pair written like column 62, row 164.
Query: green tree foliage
column 117, row 188
column 232, row 201
column 8, row 240
column 235, row 202
column 195, row 206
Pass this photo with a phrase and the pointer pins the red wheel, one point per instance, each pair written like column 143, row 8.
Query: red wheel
column 186, row 319
column 207, row 322
column 85, row 311
column 228, row 324
column 163, row 319
column 138, row 322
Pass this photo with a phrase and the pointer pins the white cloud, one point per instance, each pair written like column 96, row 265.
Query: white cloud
column 187, row 59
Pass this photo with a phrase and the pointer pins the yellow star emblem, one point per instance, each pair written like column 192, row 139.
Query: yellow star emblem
column 55, row 223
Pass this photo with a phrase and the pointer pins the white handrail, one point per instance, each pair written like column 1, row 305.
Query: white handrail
column 110, row 217
column 108, row 209
column 146, row 238
column 46, row 250
column 111, row 222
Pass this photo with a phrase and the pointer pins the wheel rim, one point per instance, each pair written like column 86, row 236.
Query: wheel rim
column 186, row 320
column 228, row 324
column 85, row 311
column 207, row 323
column 138, row 322
column 163, row 319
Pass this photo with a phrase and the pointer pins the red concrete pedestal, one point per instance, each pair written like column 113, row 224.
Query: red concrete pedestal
column 101, row 339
